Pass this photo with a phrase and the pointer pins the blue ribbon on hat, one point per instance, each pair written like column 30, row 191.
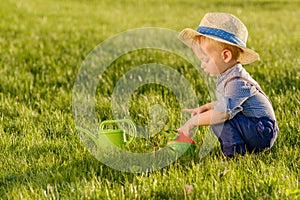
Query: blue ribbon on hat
column 221, row 34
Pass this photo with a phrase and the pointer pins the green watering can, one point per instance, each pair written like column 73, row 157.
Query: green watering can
column 115, row 136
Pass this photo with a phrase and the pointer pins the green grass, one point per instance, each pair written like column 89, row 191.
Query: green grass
column 43, row 44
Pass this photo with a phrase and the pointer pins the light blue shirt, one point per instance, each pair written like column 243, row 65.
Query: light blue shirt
column 241, row 96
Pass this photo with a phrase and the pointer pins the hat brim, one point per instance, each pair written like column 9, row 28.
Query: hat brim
column 246, row 57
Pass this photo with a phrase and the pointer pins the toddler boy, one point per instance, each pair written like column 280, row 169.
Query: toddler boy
column 242, row 116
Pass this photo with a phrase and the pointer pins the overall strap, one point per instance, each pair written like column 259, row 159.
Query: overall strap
column 250, row 82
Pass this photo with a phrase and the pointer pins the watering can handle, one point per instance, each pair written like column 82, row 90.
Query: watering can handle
column 101, row 127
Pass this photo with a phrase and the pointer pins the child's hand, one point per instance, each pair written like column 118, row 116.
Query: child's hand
column 193, row 111
column 185, row 130
column 189, row 125
column 201, row 109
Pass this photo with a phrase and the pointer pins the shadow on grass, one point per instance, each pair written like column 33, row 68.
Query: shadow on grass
column 59, row 167
column 78, row 170
column 71, row 171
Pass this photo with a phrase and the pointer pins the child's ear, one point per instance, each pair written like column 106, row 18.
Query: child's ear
column 226, row 55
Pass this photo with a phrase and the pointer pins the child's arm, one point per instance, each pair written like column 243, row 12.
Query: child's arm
column 200, row 109
column 206, row 118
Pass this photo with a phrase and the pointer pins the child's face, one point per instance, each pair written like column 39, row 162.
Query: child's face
column 210, row 57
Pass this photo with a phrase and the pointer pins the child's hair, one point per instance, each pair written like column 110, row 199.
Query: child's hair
column 235, row 51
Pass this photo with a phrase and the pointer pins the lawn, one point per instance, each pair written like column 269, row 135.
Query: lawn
column 45, row 44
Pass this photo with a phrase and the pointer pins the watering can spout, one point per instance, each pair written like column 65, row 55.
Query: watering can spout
column 88, row 133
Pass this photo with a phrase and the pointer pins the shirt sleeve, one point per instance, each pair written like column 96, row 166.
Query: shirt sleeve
column 235, row 94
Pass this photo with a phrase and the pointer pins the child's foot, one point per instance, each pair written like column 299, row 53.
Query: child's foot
column 181, row 144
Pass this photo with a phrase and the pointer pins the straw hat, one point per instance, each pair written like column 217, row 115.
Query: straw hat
column 225, row 28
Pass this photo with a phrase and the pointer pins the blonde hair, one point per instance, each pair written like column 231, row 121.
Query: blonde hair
column 235, row 51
